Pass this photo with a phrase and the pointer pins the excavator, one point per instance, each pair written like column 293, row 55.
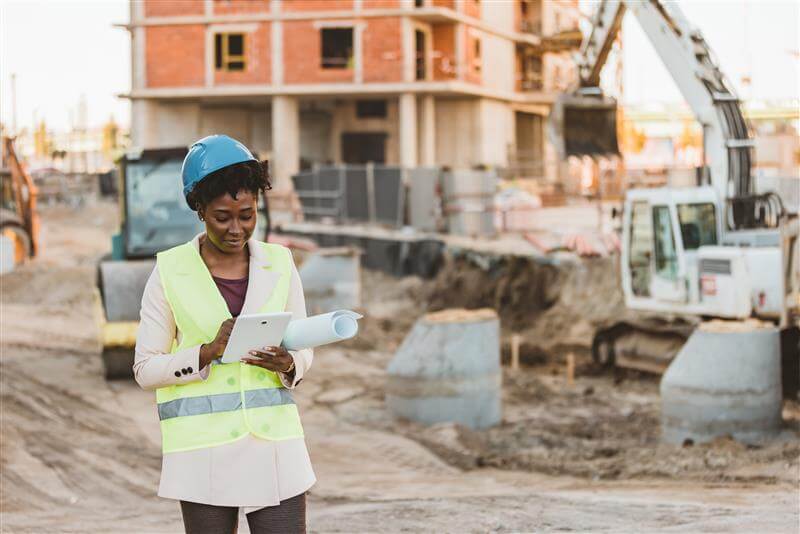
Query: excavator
column 19, row 221
column 720, row 249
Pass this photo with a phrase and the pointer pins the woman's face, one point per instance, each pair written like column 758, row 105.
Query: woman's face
column 230, row 222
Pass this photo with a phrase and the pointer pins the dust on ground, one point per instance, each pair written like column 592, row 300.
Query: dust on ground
column 80, row 454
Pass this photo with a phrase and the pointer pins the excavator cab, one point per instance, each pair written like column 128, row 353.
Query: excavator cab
column 674, row 259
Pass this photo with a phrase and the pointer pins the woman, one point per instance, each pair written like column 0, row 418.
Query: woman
column 231, row 434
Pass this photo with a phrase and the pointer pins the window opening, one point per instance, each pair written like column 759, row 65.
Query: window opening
column 337, row 48
column 229, row 51
column 368, row 109
column 419, row 38
column 477, row 59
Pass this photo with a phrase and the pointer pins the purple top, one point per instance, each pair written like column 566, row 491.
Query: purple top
column 233, row 291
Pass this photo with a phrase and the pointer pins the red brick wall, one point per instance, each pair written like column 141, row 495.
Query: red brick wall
column 302, row 56
column 316, row 5
column 383, row 54
column 258, row 60
column 166, row 8
column 175, row 55
column 473, row 8
column 444, row 51
column 471, row 72
column 224, row 7
column 380, row 4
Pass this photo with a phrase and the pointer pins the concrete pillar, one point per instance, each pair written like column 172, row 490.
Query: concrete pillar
column 285, row 159
column 144, row 130
column 428, row 132
column 409, row 49
column 408, row 130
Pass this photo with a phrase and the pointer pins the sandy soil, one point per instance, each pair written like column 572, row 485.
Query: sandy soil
column 79, row 454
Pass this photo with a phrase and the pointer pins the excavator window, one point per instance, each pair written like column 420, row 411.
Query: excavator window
column 157, row 216
column 641, row 248
column 698, row 225
column 666, row 254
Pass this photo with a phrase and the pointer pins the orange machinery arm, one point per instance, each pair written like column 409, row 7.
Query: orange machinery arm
column 25, row 193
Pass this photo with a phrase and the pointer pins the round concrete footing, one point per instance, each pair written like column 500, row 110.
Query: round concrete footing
column 448, row 370
column 724, row 381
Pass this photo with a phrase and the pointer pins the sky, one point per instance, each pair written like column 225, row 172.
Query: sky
column 758, row 39
column 62, row 49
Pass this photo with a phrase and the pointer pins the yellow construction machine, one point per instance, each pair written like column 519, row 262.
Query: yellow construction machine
column 19, row 222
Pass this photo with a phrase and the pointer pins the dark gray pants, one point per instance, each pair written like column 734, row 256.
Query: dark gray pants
column 288, row 517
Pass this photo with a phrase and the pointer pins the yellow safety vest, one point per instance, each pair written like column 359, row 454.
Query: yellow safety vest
column 236, row 398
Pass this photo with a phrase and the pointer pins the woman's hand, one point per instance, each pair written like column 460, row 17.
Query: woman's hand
column 212, row 351
column 275, row 359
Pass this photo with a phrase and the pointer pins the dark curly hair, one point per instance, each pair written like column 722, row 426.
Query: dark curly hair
column 248, row 175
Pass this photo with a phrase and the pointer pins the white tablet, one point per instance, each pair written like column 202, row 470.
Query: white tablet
column 255, row 331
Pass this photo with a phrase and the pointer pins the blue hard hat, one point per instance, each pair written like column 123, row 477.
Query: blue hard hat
column 211, row 154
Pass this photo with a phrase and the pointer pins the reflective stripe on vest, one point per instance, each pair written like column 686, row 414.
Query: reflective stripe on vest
column 224, row 402
column 236, row 398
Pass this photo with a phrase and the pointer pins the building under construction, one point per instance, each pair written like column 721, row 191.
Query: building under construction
column 458, row 83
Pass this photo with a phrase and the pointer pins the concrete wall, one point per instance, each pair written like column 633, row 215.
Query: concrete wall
column 499, row 58
column 171, row 124
column 261, row 132
column 458, row 131
column 497, row 132
column 473, row 131
column 160, row 125
column 315, row 136
column 344, row 120
column 500, row 15
column 234, row 122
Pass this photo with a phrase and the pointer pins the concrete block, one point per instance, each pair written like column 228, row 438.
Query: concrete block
column 448, row 370
column 332, row 279
column 724, row 381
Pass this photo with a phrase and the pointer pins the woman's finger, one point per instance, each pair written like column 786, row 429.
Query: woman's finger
column 262, row 353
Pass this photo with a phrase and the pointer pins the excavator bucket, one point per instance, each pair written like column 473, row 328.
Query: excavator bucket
column 584, row 124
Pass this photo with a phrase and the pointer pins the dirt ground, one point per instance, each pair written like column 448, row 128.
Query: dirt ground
column 79, row 454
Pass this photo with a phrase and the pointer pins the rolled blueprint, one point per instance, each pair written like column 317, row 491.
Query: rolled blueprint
column 321, row 329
